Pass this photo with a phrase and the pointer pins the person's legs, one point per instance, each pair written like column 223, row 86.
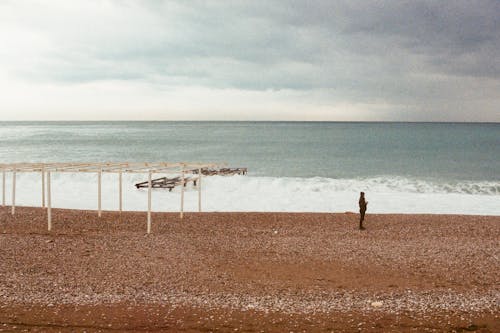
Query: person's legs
column 361, row 219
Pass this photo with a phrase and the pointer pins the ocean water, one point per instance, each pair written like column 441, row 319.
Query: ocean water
column 293, row 166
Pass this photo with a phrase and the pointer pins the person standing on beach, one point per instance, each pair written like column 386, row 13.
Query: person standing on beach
column 362, row 210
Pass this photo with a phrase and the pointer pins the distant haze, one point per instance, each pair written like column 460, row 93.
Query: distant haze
column 250, row 60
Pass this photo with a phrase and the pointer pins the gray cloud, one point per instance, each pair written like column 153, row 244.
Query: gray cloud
column 425, row 55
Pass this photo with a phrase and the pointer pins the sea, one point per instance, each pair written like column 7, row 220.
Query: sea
column 445, row 168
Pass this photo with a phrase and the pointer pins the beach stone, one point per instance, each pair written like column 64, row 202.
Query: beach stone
column 214, row 261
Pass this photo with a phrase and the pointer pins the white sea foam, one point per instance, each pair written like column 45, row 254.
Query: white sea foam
column 267, row 194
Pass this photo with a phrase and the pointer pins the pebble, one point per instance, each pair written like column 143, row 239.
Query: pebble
column 229, row 260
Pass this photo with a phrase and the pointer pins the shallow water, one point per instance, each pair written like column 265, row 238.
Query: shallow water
column 293, row 166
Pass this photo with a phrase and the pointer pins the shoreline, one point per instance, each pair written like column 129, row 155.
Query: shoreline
column 250, row 269
column 169, row 214
column 253, row 193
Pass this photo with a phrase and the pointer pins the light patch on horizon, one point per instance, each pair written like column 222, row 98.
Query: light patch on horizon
column 173, row 60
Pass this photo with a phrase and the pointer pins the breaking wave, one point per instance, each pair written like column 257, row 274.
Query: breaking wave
column 249, row 193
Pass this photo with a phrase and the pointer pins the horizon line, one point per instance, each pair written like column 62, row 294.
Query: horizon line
column 263, row 121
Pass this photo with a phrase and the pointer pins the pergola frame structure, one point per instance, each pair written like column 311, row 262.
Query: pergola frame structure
column 99, row 168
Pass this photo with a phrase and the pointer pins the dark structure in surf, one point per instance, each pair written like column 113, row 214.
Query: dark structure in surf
column 171, row 183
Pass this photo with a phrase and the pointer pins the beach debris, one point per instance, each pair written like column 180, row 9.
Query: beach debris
column 377, row 304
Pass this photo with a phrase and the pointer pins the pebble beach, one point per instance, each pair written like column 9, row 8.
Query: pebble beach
column 254, row 272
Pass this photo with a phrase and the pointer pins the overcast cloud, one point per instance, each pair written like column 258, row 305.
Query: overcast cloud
column 250, row 60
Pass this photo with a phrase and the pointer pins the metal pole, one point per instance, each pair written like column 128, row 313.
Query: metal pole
column 13, row 191
column 199, row 190
column 43, row 188
column 49, row 203
column 3, row 187
column 149, row 202
column 99, row 179
column 120, row 190
column 182, row 194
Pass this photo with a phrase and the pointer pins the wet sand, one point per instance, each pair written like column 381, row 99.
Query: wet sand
column 248, row 272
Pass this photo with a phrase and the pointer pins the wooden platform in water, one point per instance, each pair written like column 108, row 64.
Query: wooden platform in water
column 170, row 183
column 221, row 172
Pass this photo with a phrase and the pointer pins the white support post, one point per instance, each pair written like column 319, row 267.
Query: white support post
column 120, row 191
column 149, row 202
column 13, row 191
column 43, row 188
column 199, row 190
column 49, row 203
column 99, row 180
column 182, row 193
column 3, row 187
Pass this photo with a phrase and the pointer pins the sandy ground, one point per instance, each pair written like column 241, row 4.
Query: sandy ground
column 250, row 272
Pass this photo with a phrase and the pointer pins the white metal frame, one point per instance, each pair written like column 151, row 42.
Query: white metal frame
column 46, row 169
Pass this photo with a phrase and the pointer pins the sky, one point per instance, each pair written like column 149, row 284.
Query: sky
column 250, row 60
